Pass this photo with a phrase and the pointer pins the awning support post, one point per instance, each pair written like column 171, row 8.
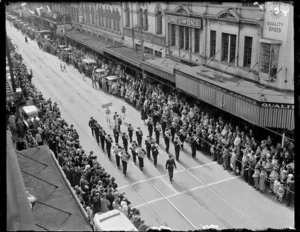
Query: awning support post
column 247, row 74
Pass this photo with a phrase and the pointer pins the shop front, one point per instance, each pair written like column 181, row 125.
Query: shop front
column 241, row 101
column 129, row 59
column 153, row 71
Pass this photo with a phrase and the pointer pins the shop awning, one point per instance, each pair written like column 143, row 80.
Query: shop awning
column 243, row 100
column 162, row 67
column 85, row 40
column 128, row 55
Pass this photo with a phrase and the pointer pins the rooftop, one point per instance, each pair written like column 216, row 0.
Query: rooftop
column 56, row 208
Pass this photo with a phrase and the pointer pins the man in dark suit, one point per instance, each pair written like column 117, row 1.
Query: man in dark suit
column 139, row 136
column 125, row 141
column 148, row 146
column 91, row 125
column 97, row 132
column 116, row 134
column 108, row 145
column 154, row 153
column 130, row 132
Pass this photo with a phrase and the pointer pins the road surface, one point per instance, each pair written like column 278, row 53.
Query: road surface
column 202, row 193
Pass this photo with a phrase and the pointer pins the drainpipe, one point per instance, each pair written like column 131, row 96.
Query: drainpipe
column 206, row 31
column 238, row 43
column 132, row 26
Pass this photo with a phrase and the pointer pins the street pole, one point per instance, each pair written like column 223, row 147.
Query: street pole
column 65, row 25
column 10, row 65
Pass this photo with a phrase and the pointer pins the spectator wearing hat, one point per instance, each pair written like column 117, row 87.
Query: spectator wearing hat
column 272, row 177
column 104, row 203
column 290, row 190
column 255, row 177
column 281, row 191
column 262, row 180
column 116, row 203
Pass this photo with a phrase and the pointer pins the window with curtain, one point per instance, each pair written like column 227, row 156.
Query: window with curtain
column 197, row 40
column 269, row 54
column 213, row 39
column 181, row 37
column 99, row 16
column 247, row 51
column 172, row 35
column 145, row 21
column 228, row 47
column 187, row 38
column 92, row 14
column 127, row 16
column 88, row 15
column 109, row 19
column 140, row 19
column 159, row 22
column 118, row 17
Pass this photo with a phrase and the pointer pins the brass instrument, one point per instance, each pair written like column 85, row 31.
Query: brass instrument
column 196, row 139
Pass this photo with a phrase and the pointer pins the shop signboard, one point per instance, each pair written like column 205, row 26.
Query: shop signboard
column 276, row 20
column 184, row 21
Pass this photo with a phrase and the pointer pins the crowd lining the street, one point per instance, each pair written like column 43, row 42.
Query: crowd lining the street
column 265, row 164
column 94, row 187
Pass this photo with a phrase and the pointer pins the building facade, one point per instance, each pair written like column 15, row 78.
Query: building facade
column 144, row 20
column 100, row 21
column 241, row 38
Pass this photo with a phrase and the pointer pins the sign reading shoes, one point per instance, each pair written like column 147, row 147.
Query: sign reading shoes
column 184, row 21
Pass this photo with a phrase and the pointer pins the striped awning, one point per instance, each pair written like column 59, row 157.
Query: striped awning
column 277, row 118
column 247, row 109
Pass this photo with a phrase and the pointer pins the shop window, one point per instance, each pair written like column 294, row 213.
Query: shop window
column 197, row 40
column 213, row 38
column 158, row 54
column 269, row 58
column 181, row 37
column 172, row 34
column 127, row 16
column 247, row 51
column 228, row 47
column 159, row 22
column 148, row 50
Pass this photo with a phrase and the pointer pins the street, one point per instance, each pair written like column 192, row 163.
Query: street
column 202, row 193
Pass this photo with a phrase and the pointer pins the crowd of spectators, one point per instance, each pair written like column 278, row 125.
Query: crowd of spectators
column 94, row 187
column 263, row 164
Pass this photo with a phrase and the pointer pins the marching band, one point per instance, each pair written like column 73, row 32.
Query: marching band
column 175, row 132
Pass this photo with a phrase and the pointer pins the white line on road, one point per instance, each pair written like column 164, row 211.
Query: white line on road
column 183, row 192
column 175, row 172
